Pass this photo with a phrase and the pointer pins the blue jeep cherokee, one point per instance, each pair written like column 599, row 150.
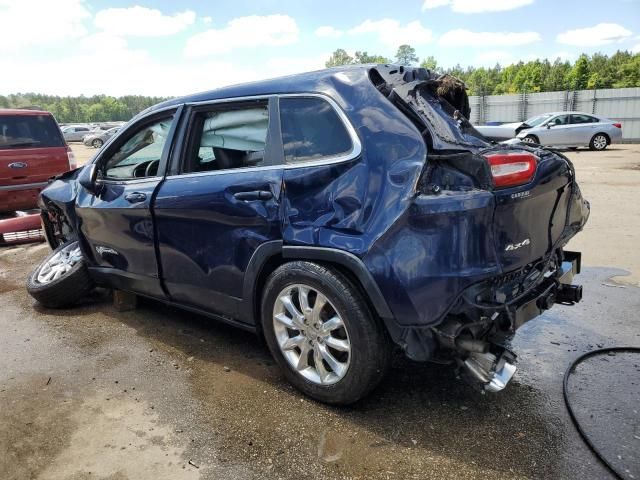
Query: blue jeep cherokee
column 337, row 213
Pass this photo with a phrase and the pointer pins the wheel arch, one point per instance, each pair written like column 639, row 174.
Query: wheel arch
column 602, row 133
column 270, row 255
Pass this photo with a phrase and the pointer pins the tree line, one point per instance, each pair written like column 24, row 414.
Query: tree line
column 622, row 69
column 98, row 108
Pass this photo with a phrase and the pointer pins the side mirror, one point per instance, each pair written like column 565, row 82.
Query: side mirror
column 88, row 179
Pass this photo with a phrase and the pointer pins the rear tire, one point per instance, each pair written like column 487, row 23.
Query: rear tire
column 343, row 375
column 599, row 142
column 61, row 279
column 97, row 143
column 531, row 139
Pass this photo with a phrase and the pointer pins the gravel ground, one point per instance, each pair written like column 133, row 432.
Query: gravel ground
column 158, row 393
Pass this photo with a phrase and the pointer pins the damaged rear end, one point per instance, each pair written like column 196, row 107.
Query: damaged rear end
column 491, row 222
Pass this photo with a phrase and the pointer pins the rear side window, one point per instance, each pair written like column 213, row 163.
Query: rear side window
column 583, row 119
column 311, row 129
column 28, row 131
column 228, row 137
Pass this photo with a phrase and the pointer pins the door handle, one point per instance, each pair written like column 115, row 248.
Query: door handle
column 135, row 197
column 254, row 195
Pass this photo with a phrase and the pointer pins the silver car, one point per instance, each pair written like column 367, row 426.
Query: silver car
column 571, row 129
column 74, row 133
column 97, row 138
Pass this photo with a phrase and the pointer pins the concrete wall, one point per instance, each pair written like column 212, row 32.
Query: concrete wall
column 620, row 104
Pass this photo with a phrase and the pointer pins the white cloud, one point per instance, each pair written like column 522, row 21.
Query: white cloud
column 244, row 32
column 207, row 20
column 601, row 34
column 466, row 38
column 476, row 6
column 139, row 21
column 636, row 48
column 27, row 23
column 490, row 57
column 563, row 56
column 392, row 34
column 328, row 31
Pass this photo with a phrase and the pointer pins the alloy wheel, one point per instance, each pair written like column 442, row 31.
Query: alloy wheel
column 59, row 264
column 600, row 142
column 311, row 334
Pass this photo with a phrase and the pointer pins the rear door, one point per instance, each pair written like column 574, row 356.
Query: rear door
column 31, row 151
column 583, row 127
column 220, row 203
column 117, row 223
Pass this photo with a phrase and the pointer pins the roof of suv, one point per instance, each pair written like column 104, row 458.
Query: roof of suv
column 22, row 111
column 287, row 84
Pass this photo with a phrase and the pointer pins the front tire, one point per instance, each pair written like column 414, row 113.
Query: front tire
column 599, row 142
column 322, row 333
column 531, row 139
column 62, row 278
column 97, row 143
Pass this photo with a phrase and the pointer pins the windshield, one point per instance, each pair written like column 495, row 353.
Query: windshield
column 537, row 120
column 24, row 131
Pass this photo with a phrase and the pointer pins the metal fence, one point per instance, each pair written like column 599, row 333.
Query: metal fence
column 620, row 104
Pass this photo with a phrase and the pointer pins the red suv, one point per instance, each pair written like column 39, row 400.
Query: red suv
column 32, row 150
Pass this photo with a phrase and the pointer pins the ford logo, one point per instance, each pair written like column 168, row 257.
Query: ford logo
column 17, row 165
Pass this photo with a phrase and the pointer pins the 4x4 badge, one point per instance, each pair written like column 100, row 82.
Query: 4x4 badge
column 515, row 246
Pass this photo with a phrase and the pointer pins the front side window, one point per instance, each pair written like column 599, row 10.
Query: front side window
column 139, row 156
column 228, row 137
column 559, row 120
column 312, row 129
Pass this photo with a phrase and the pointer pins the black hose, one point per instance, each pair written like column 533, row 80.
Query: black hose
column 565, row 383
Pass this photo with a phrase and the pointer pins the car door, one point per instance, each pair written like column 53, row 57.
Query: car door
column 116, row 223
column 556, row 131
column 583, row 127
column 220, row 203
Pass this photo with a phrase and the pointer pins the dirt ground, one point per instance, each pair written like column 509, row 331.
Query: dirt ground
column 157, row 393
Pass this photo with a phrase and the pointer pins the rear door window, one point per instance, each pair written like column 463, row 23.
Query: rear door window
column 29, row 131
column 580, row 118
column 312, row 129
column 228, row 137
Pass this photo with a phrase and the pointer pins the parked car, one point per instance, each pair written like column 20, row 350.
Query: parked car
column 573, row 129
column 98, row 138
column 560, row 129
column 337, row 213
column 75, row 133
column 31, row 151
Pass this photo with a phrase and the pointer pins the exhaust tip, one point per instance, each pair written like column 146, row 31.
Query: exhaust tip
column 501, row 378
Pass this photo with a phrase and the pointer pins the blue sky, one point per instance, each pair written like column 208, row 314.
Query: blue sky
column 159, row 47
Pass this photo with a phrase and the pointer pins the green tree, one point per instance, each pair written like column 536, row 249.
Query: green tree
column 339, row 57
column 430, row 63
column 364, row 57
column 579, row 74
column 406, row 55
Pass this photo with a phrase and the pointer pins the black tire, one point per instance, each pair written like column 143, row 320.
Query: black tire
column 599, row 142
column 531, row 139
column 370, row 354
column 97, row 143
column 65, row 290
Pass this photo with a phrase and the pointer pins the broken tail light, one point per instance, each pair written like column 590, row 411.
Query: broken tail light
column 510, row 169
column 72, row 159
column 617, row 125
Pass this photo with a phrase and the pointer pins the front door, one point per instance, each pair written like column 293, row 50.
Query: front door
column 557, row 131
column 116, row 223
column 220, row 204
